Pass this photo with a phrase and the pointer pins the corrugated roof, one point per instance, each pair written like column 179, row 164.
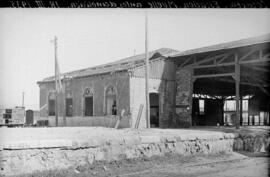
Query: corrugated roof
column 228, row 45
column 120, row 65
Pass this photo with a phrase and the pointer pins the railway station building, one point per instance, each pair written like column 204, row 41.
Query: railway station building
column 223, row 84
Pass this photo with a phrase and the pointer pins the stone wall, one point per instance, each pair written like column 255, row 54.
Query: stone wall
column 164, row 88
column 71, row 147
column 252, row 143
column 95, row 121
column 183, row 97
column 130, row 88
column 98, row 84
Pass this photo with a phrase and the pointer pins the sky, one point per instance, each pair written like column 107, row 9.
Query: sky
column 89, row 37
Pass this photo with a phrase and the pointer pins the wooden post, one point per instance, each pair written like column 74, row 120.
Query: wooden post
column 241, row 110
column 191, row 96
column 139, row 116
column 237, row 89
column 248, row 109
column 56, row 85
column 147, row 107
column 222, row 120
column 64, row 104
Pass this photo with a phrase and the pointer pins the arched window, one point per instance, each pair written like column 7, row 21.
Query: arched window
column 88, row 102
column 51, row 103
column 69, row 104
column 110, row 101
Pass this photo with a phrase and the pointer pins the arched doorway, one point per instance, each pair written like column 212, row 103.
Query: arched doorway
column 51, row 103
column 88, row 102
column 69, row 104
column 110, row 101
column 154, row 109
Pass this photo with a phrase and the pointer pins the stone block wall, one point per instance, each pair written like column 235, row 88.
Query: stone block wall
column 164, row 88
column 62, row 148
column 183, row 97
column 91, row 121
column 98, row 84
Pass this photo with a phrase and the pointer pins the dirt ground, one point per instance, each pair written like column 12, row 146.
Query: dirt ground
column 244, row 130
column 85, row 133
column 229, row 165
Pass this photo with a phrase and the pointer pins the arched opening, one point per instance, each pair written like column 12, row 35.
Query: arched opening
column 154, row 109
column 51, row 103
column 69, row 104
column 88, row 102
column 110, row 101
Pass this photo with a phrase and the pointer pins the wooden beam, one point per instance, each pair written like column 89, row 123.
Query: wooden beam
column 190, row 96
column 255, row 61
column 219, row 64
column 246, row 55
column 260, row 87
column 257, row 79
column 260, row 54
column 237, row 89
column 243, row 83
column 213, row 75
column 258, row 68
column 241, row 111
column 257, row 64
column 214, row 66
column 266, row 56
column 264, row 90
column 223, row 58
column 207, row 59
column 186, row 61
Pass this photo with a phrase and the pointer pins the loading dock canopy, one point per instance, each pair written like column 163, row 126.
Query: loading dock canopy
column 217, row 69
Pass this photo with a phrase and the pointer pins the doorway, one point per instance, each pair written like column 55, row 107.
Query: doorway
column 51, row 104
column 154, row 109
column 88, row 101
column 51, row 107
column 69, row 107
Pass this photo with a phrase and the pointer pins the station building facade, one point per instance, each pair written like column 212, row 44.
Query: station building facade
column 186, row 88
column 96, row 96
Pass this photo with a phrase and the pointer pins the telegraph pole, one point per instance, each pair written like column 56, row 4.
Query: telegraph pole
column 64, row 101
column 147, row 107
column 56, row 84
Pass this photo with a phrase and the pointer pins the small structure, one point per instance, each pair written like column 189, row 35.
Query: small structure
column 12, row 116
column 29, row 118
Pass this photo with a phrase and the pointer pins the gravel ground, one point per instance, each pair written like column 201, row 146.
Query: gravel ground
column 247, row 130
column 229, row 165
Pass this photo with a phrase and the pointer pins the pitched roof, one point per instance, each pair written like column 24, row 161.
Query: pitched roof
column 228, row 45
column 120, row 65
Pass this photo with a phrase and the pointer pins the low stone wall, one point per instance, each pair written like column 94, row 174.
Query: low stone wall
column 252, row 143
column 18, row 157
column 103, row 121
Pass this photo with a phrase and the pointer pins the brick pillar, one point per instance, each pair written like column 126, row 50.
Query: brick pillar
column 183, row 97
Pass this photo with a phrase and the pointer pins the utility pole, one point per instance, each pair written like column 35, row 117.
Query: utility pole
column 23, row 99
column 147, row 107
column 64, row 101
column 56, row 84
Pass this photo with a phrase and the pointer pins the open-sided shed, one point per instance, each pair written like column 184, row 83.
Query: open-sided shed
column 235, row 70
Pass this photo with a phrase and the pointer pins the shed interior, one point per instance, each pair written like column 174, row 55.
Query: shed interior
column 230, row 84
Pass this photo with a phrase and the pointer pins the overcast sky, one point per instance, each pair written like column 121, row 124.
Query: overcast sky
column 89, row 37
